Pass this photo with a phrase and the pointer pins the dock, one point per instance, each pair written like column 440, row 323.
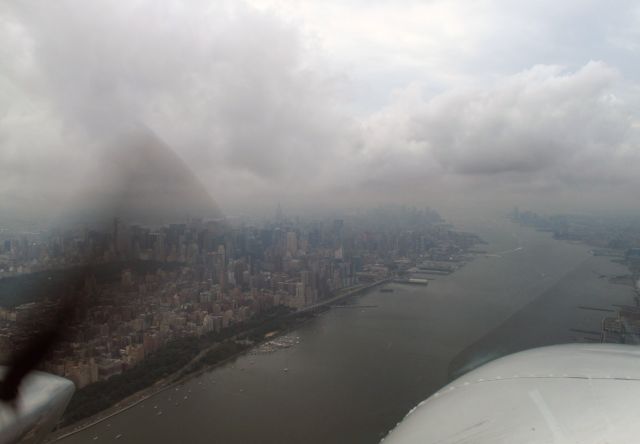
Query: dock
column 412, row 281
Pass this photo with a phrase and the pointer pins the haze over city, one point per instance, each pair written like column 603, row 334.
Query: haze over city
column 324, row 105
column 275, row 221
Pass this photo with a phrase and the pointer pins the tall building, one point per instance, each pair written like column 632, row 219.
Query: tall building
column 292, row 242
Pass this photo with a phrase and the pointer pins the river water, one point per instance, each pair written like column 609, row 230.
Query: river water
column 357, row 371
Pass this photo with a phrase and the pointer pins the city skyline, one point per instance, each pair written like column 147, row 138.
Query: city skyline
column 172, row 296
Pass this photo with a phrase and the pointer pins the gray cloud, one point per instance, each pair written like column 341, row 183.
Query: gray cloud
column 533, row 121
column 227, row 86
column 262, row 112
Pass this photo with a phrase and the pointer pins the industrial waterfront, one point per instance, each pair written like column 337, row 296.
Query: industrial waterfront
column 351, row 375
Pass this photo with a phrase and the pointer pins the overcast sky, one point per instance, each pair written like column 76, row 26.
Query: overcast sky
column 329, row 103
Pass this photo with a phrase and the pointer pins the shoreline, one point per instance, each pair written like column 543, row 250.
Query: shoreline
column 142, row 395
column 160, row 389
column 478, row 352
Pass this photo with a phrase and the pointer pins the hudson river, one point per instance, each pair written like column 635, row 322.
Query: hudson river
column 357, row 371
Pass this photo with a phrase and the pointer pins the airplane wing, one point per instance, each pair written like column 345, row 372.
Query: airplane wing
column 574, row 393
column 42, row 400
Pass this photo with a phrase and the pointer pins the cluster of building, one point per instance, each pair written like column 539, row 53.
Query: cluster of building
column 199, row 277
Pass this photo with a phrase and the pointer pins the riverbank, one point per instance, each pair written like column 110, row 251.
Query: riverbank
column 561, row 313
column 184, row 374
column 137, row 398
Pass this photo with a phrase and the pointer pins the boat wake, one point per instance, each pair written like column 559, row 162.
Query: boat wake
column 503, row 253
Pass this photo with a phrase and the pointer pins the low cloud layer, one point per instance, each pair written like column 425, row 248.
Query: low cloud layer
column 263, row 107
column 565, row 125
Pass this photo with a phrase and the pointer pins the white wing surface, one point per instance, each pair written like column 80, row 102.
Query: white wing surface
column 587, row 394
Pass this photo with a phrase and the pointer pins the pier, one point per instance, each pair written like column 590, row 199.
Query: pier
column 327, row 303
